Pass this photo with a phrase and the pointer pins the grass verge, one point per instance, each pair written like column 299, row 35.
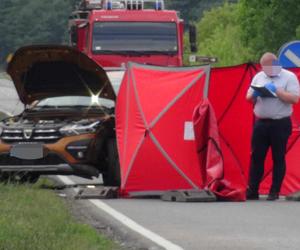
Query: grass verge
column 34, row 218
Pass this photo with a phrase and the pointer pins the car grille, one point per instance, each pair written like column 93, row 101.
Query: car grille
column 29, row 135
column 52, row 159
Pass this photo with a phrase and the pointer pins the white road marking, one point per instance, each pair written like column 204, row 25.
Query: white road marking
column 135, row 226
column 292, row 57
column 127, row 221
column 66, row 180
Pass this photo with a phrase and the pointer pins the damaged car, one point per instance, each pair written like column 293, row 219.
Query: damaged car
column 68, row 124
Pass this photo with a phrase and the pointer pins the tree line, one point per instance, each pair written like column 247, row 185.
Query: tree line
column 235, row 31
column 243, row 31
column 25, row 22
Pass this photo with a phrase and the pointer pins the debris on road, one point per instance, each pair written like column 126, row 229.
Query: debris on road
column 189, row 196
column 98, row 193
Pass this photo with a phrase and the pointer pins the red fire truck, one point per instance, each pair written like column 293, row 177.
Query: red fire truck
column 113, row 32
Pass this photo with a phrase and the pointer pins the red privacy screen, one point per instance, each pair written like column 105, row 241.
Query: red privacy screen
column 155, row 130
column 227, row 91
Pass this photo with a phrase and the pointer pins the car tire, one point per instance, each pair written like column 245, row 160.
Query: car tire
column 112, row 177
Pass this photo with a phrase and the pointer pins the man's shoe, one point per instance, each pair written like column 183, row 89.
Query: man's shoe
column 273, row 197
column 250, row 195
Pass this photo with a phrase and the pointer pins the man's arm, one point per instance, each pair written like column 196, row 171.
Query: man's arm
column 286, row 96
column 251, row 93
column 291, row 94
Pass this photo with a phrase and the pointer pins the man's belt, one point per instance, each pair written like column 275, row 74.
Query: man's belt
column 273, row 120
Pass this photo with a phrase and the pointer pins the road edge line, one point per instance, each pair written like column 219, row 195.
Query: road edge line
column 135, row 226
column 168, row 245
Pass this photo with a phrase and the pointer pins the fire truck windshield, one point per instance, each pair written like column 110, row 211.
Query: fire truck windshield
column 134, row 37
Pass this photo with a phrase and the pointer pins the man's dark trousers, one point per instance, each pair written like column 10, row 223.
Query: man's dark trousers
column 269, row 133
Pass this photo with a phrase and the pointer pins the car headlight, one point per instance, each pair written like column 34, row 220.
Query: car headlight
column 78, row 129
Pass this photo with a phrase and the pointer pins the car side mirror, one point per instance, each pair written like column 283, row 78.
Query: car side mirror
column 193, row 38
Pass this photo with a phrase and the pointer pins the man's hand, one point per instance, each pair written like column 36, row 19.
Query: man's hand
column 252, row 95
column 271, row 87
column 256, row 94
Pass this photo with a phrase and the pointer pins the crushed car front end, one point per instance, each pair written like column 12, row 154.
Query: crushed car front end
column 68, row 119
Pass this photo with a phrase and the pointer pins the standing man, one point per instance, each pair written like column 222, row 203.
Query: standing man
column 273, row 124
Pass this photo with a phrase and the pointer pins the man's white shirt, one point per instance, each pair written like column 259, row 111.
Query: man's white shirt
column 274, row 108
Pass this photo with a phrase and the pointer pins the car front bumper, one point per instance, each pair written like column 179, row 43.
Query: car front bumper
column 56, row 158
column 86, row 171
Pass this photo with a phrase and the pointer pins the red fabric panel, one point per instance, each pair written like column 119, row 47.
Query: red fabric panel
column 157, row 89
column 296, row 113
column 234, row 183
column 129, row 125
column 226, row 185
column 170, row 131
column 121, row 106
column 152, row 172
column 207, row 143
column 227, row 91
column 146, row 92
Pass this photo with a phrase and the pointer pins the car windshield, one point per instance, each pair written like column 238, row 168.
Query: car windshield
column 111, row 37
column 74, row 101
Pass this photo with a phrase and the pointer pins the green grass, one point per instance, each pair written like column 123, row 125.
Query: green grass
column 34, row 218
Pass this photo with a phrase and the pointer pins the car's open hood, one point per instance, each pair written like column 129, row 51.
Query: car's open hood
column 42, row 71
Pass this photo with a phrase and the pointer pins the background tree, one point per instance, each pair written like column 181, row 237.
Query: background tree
column 268, row 24
column 219, row 35
column 192, row 10
column 241, row 32
column 25, row 22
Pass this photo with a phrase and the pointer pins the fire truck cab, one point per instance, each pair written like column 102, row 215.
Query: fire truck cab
column 114, row 32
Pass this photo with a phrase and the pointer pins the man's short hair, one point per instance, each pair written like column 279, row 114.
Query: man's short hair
column 267, row 57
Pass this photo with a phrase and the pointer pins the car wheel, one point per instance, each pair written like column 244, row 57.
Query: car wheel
column 112, row 176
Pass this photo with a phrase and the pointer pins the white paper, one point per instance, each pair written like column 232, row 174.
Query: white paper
column 189, row 134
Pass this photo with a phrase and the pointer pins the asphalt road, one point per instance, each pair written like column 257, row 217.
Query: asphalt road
column 220, row 225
